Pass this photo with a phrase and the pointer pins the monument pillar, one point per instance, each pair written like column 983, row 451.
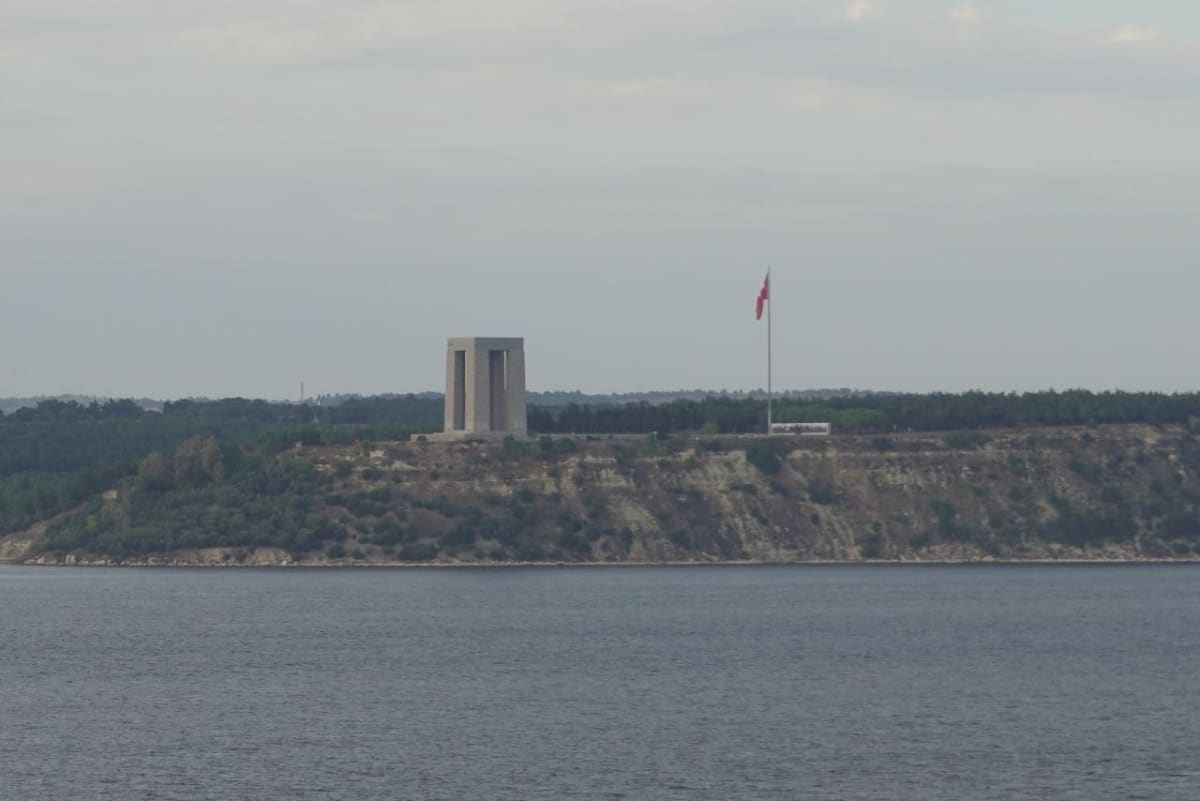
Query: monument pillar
column 456, row 390
column 485, row 387
column 514, row 396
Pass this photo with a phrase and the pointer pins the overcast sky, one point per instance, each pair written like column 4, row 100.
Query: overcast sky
column 225, row 197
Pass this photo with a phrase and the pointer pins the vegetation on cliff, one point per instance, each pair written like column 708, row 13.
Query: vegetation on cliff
column 1118, row 492
column 115, row 480
column 57, row 455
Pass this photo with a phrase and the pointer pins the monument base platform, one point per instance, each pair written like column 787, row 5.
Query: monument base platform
column 472, row 436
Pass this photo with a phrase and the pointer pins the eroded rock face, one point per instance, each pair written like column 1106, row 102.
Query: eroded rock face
column 15, row 548
column 1119, row 492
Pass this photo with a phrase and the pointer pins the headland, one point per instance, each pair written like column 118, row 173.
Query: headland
column 1084, row 493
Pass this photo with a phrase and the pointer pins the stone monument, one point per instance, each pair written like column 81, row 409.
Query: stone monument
column 485, row 387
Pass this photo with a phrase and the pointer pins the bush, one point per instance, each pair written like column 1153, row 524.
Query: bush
column 681, row 539
column 870, row 545
column 821, row 492
column 1090, row 527
column 764, row 455
column 966, row 440
column 417, row 552
column 530, row 552
column 1088, row 471
column 387, row 532
column 336, row 551
column 556, row 447
column 574, row 543
column 1182, row 524
column 1112, row 494
column 513, row 448
column 458, row 538
column 946, row 517
column 568, row 521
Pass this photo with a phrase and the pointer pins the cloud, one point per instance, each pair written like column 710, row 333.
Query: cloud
column 659, row 97
column 18, row 54
column 654, row 95
column 966, row 14
column 1133, row 35
column 862, row 10
column 286, row 33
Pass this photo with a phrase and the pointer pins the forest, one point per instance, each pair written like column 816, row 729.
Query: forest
column 58, row 454
column 875, row 412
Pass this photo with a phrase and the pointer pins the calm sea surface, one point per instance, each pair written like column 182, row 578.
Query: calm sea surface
column 881, row 683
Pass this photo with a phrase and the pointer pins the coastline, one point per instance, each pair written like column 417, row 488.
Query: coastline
column 369, row 564
column 1117, row 495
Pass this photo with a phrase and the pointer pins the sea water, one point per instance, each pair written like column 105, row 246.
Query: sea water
column 858, row 683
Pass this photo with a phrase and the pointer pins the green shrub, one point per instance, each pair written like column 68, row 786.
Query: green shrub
column 822, row 492
column 567, row 520
column 1086, row 470
column 764, row 455
column 573, row 543
column 386, row 533
column 417, row 552
column 870, row 545
column 556, row 447
column 459, row 538
column 946, row 517
column 681, row 538
column 965, row 440
column 530, row 552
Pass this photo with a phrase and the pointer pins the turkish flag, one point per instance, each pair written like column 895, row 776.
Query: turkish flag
column 764, row 295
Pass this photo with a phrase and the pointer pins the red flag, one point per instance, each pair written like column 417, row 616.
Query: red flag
column 764, row 295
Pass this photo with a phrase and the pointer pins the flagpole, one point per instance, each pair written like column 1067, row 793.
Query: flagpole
column 770, row 303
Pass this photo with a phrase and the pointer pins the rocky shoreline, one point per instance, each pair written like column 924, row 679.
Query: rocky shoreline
column 283, row 561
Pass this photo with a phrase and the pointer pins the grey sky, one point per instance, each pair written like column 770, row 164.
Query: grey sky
column 218, row 197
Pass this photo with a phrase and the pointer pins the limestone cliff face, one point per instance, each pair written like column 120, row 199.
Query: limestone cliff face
column 1120, row 492
column 1116, row 492
column 15, row 549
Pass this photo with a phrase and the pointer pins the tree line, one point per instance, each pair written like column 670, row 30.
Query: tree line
column 876, row 413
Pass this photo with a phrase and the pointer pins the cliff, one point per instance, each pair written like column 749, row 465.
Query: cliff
column 1112, row 492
